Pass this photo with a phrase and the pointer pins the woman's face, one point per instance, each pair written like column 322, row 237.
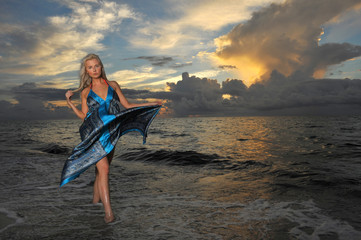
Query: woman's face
column 93, row 68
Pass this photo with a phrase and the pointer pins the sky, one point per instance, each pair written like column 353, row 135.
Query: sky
column 201, row 57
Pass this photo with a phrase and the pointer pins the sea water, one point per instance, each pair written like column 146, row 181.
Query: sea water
column 195, row 178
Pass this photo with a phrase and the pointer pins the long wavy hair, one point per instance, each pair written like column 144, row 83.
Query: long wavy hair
column 85, row 79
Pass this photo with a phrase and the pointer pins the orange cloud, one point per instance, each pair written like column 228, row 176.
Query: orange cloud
column 284, row 37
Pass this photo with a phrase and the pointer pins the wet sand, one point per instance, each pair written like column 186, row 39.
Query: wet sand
column 5, row 221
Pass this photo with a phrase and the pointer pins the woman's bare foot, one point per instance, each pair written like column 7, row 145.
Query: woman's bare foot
column 109, row 217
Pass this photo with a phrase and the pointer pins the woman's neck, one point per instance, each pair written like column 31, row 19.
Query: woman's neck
column 97, row 80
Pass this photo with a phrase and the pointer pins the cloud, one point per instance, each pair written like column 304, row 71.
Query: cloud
column 141, row 77
column 280, row 95
column 195, row 96
column 35, row 103
column 181, row 65
column 158, row 61
column 201, row 14
column 161, row 61
column 227, row 67
column 134, row 94
column 32, row 90
column 194, row 22
column 285, row 37
column 234, row 87
column 330, row 54
column 55, row 46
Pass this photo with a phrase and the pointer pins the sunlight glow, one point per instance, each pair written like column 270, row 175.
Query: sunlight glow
column 60, row 103
column 226, row 96
column 319, row 73
column 247, row 69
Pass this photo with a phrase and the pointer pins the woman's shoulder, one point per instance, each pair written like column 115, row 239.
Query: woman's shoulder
column 85, row 91
column 113, row 84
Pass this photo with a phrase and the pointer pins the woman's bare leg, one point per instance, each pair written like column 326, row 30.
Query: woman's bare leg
column 96, row 195
column 103, row 188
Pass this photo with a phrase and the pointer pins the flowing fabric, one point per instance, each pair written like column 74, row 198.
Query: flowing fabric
column 101, row 129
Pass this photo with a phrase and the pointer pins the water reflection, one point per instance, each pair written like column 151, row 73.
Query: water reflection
column 248, row 138
column 244, row 144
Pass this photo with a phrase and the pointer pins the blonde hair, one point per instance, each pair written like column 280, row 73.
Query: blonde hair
column 85, row 79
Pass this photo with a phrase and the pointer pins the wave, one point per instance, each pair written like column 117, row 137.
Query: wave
column 55, row 149
column 182, row 158
column 335, row 181
column 314, row 126
column 165, row 134
column 292, row 174
column 25, row 140
column 350, row 145
column 242, row 139
column 192, row 158
column 241, row 165
column 347, row 129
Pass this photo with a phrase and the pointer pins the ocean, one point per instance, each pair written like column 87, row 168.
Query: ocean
column 195, row 178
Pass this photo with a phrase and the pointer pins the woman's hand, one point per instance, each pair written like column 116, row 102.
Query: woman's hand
column 81, row 114
column 68, row 95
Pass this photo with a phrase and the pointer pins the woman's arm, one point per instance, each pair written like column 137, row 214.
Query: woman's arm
column 125, row 102
column 84, row 107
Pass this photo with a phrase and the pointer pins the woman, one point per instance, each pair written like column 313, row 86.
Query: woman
column 103, row 124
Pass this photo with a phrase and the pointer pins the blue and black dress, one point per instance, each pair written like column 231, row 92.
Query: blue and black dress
column 101, row 129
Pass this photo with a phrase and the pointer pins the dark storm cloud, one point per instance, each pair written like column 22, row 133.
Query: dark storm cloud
column 234, row 87
column 280, row 44
column 279, row 95
column 195, row 96
column 282, row 92
column 285, row 37
column 32, row 103
column 44, row 94
column 145, row 94
column 331, row 53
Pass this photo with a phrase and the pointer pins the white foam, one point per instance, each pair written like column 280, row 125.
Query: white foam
column 12, row 215
column 48, row 187
column 305, row 214
column 306, row 220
